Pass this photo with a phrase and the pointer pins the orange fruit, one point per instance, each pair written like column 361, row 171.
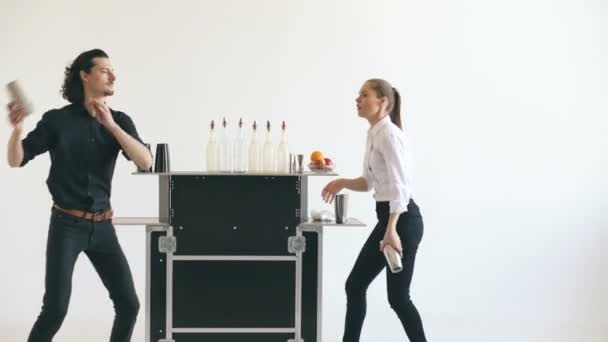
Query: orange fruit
column 316, row 155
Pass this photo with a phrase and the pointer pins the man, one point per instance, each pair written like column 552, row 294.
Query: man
column 83, row 140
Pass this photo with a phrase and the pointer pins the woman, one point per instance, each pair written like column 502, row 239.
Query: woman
column 399, row 225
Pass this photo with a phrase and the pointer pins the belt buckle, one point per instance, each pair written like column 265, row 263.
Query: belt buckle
column 95, row 215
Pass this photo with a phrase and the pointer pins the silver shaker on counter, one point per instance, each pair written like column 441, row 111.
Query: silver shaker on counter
column 292, row 163
column 300, row 163
column 341, row 208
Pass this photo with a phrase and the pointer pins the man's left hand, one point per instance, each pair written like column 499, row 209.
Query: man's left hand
column 101, row 112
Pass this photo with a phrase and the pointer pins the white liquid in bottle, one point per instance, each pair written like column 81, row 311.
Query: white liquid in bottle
column 255, row 151
column 283, row 152
column 269, row 153
column 225, row 149
column 240, row 151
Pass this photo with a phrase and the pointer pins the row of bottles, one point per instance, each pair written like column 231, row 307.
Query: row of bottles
column 227, row 154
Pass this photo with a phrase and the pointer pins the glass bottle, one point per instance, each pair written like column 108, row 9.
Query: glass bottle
column 225, row 149
column 212, row 150
column 283, row 152
column 269, row 153
column 255, row 151
column 240, row 151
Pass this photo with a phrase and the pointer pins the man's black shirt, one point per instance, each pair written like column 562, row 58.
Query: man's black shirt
column 83, row 155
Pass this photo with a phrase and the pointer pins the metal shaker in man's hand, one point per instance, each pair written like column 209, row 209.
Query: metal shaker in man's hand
column 18, row 97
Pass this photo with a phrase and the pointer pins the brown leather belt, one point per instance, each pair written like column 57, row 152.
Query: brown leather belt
column 97, row 217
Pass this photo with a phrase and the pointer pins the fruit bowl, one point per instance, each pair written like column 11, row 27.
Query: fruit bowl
column 321, row 168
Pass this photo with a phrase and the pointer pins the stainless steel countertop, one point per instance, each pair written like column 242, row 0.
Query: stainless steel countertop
column 350, row 222
column 138, row 221
column 155, row 221
column 203, row 173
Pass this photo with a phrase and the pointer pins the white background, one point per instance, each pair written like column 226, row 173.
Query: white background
column 501, row 103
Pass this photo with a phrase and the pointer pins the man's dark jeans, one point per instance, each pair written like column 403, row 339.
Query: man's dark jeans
column 68, row 236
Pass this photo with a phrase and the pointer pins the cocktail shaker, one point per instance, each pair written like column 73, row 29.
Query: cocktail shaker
column 393, row 259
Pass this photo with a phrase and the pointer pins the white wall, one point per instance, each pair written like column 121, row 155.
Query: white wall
column 502, row 104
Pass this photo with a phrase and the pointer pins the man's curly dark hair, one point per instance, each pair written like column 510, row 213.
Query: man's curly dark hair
column 72, row 89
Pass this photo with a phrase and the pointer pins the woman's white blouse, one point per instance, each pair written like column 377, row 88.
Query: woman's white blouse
column 386, row 165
